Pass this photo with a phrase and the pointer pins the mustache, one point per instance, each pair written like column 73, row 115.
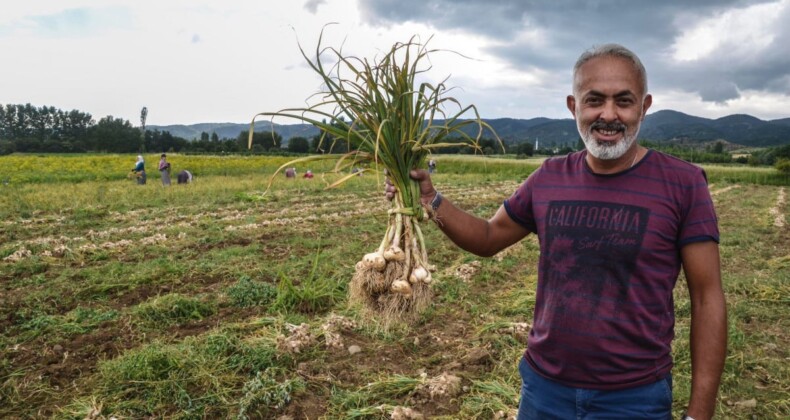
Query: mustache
column 612, row 126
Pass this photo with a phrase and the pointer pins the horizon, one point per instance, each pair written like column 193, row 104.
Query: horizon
column 484, row 118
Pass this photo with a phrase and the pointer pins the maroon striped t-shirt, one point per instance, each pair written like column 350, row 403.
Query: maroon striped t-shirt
column 609, row 259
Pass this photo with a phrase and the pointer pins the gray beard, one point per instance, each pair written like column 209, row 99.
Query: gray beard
column 605, row 151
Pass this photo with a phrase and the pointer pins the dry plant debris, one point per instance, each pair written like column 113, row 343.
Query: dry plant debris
column 333, row 327
column 443, row 386
column 299, row 338
column 466, row 272
column 776, row 211
column 405, row 413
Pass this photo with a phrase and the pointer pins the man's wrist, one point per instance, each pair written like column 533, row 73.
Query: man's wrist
column 431, row 204
column 425, row 200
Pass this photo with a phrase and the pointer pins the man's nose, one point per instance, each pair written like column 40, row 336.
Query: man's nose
column 608, row 111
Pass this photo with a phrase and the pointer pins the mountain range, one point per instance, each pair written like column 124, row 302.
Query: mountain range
column 661, row 126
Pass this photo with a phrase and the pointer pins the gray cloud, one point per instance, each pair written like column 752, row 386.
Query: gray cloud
column 312, row 5
column 567, row 28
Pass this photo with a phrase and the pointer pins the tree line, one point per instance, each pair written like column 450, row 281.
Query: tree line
column 46, row 129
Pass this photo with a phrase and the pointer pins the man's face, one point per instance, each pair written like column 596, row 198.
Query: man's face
column 608, row 104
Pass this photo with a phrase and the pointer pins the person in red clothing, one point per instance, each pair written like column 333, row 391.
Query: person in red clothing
column 308, row 174
column 616, row 222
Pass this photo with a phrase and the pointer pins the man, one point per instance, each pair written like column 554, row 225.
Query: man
column 616, row 223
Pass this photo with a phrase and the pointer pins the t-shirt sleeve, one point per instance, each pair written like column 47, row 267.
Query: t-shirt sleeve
column 700, row 222
column 519, row 206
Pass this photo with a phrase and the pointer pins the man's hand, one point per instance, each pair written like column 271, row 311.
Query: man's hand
column 427, row 191
column 423, row 178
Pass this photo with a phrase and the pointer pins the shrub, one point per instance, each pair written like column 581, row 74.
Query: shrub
column 783, row 165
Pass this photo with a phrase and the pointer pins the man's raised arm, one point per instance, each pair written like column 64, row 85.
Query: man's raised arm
column 471, row 233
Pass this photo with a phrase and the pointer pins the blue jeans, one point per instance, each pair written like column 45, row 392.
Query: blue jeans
column 542, row 398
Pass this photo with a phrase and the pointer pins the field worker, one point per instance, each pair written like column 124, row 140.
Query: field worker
column 184, row 177
column 431, row 166
column 615, row 222
column 290, row 173
column 139, row 170
column 308, row 174
column 164, row 169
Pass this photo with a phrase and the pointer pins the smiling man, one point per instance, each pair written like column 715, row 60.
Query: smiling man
column 612, row 102
column 616, row 223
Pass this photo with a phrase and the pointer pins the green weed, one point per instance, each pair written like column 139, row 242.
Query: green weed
column 314, row 294
column 264, row 394
column 174, row 309
column 247, row 292
column 487, row 398
column 200, row 376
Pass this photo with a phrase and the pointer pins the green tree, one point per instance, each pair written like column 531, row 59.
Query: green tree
column 162, row 141
column 298, row 145
column 261, row 141
column 7, row 147
column 115, row 135
column 44, row 129
column 525, row 148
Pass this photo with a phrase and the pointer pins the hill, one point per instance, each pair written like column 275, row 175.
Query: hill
column 660, row 126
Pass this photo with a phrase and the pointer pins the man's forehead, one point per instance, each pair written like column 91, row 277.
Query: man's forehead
column 610, row 70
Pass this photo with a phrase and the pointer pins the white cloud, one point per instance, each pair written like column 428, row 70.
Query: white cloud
column 740, row 32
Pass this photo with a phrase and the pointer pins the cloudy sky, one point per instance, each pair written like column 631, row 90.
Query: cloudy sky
column 191, row 61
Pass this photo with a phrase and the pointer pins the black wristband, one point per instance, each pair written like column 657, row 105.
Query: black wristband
column 436, row 202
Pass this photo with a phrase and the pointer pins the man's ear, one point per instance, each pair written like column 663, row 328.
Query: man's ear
column 570, row 102
column 646, row 105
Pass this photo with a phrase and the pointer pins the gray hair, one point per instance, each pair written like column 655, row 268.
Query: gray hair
column 612, row 50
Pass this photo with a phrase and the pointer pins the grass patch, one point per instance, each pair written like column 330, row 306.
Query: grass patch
column 219, row 374
column 174, row 309
column 247, row 292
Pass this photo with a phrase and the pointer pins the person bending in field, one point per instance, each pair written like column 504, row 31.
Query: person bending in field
column 616, row 223
column 184, row 177
column 290, row 173
column 139, row 170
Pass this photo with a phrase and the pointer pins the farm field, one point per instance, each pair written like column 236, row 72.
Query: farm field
column 215, row 300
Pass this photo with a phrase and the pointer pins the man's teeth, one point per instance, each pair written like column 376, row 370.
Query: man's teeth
column 609, row 132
